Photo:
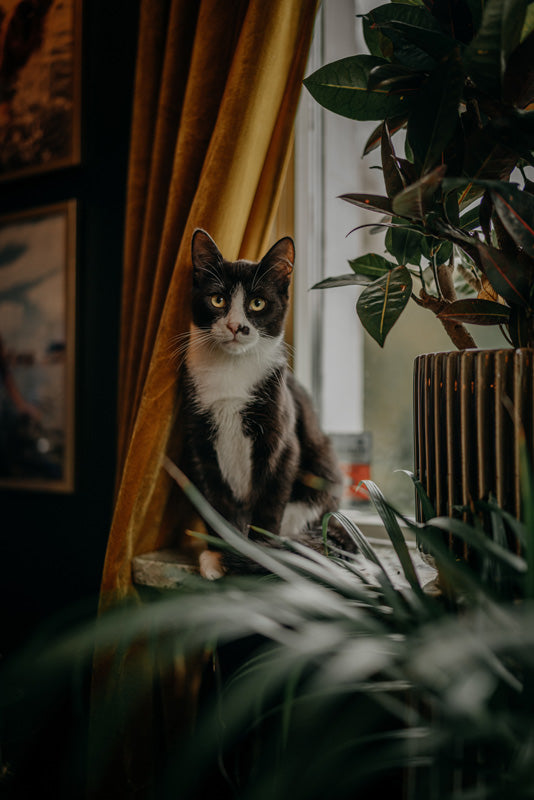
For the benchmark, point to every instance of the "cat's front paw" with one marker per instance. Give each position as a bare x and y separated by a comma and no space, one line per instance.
211,565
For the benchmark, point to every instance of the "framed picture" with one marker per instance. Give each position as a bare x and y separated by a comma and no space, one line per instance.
40,85
37,348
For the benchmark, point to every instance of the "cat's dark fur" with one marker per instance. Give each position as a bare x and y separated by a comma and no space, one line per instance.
253,445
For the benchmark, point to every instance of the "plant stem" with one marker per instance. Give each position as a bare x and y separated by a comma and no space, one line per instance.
457,333
446,283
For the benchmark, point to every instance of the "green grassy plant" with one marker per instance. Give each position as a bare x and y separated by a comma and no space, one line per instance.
332,677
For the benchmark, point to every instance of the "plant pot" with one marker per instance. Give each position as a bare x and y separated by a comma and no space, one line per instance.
470,410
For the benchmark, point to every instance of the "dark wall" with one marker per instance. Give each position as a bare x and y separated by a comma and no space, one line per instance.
52,546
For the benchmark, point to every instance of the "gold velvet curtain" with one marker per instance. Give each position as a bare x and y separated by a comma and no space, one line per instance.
216,90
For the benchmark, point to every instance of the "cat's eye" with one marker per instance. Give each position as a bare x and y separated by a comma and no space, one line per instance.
218,301
258,304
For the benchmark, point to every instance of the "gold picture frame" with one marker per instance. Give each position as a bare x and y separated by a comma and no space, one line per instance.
40,86
37,348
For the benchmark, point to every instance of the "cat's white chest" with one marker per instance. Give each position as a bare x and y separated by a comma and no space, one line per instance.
223,390
233,448
224,385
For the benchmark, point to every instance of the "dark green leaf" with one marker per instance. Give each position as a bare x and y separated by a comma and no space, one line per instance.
513,132
371,265
393,177
476,8
476,312
394,78
433,119
414,201
518,327
454,17
399,12
435,250
375,138
382,302
470,219
518,84
404,244
343,280
436,44
371,201
506,276
498,35
450,184
451,207
342,87
404,52
380,34
516,211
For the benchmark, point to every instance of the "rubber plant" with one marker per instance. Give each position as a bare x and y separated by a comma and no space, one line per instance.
457,76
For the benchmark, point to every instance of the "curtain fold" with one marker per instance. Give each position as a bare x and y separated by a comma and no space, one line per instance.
215,97
216,90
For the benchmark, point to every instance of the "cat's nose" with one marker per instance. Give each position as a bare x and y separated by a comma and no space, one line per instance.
235,327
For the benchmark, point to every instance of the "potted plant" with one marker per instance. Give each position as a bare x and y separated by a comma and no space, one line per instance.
458,209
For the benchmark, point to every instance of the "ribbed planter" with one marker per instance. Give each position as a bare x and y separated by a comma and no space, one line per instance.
470,408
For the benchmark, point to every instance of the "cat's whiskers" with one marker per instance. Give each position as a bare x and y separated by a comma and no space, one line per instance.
186,342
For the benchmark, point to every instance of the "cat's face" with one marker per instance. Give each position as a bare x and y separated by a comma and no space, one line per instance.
238,304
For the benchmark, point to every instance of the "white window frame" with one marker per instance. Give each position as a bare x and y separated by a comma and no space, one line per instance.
328,148
328,336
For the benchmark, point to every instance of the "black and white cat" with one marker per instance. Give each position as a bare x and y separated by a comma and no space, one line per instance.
253,445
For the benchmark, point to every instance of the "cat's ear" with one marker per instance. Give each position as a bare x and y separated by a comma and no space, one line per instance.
205,254
278,262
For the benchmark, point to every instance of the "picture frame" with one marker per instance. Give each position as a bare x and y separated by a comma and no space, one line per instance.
37,348
40,86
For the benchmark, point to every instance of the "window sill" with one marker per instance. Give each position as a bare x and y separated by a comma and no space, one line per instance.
168,568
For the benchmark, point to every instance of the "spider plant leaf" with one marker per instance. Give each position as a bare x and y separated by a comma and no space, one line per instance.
394,532
426,503
455,571
372,201
226,531
516,211
382,302
351,279
477,539
360,540
476,312
507,277
391,594
341,87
